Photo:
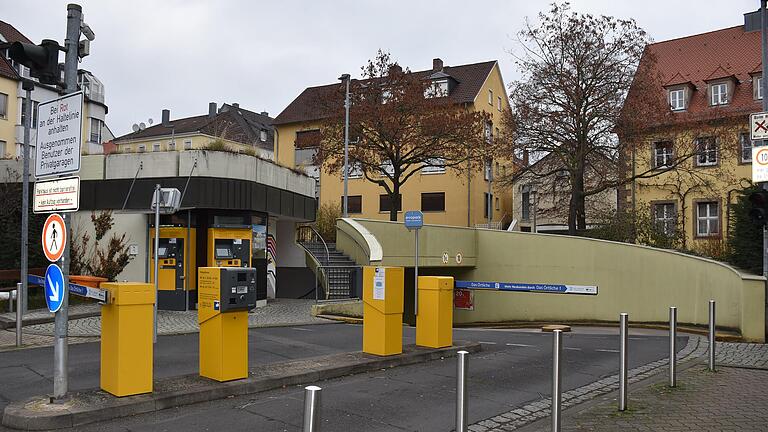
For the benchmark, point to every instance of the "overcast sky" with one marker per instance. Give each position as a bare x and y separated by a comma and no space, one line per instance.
182,54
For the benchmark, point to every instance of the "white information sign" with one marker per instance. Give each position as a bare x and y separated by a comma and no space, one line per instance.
59,136
379,283
759,164
59,195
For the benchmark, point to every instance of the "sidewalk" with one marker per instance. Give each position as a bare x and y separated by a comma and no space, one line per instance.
279,312
731,399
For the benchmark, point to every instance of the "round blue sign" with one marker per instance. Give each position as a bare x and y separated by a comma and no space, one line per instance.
54,288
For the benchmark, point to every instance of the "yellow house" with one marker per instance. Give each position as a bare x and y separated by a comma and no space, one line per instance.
13,101
231,128
444,196
700,156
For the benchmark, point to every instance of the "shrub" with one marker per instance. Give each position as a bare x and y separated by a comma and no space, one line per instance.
746,238
326,221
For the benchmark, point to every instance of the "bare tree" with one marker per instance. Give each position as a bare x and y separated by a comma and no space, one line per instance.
577,70
401,124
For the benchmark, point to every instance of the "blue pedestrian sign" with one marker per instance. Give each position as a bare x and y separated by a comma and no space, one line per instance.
414,219
54,288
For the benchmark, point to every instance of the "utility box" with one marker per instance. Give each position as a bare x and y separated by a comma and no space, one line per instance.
434,323
383,310
225,295
126,338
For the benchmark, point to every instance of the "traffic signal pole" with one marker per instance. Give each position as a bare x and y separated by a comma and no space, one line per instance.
764,91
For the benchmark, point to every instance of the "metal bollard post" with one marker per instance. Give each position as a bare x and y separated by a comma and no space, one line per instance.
19,310
10,299
672,346
461,391
712,335
624,337
312,408
557,349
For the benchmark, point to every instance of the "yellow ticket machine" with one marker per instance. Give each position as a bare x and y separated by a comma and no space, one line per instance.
177,268
383,310
229,247
225,295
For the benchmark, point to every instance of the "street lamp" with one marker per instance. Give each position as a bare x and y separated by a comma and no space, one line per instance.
345,79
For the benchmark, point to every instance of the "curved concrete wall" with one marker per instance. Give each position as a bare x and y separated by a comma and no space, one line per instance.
639,280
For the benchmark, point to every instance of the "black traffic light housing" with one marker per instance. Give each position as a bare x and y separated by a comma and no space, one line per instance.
42,60
759,211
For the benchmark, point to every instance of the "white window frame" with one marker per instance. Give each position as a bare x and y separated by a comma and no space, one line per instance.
744,149
3,149
708,152
437,88
188,144
667,223
709,218
263,135
666,153
490,97
437,166
758,87
171,145
3,106
355,170
718,94
100,124
142,148
156,147
498,103
677,99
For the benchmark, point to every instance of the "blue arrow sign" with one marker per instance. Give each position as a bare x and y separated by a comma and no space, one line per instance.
414,219
529,287
54,288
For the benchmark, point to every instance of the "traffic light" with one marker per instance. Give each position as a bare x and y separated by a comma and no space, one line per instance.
42,60
759,211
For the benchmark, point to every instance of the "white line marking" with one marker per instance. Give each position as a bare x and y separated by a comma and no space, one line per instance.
301,329
519,345
572,349
607,350
487,343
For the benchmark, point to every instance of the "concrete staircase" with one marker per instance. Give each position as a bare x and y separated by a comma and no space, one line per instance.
340,271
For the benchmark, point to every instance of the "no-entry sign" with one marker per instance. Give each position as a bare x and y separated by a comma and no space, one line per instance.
54,237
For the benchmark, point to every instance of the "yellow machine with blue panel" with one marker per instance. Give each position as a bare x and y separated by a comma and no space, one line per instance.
229,246
225,295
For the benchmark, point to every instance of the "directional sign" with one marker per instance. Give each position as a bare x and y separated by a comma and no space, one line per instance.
81,290
58,195
54,288
54,237
414,219
541,288
759,164
758,126
59,136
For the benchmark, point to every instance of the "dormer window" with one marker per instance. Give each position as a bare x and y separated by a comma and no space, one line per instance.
718,94
677,99
263,135
438,88
758,84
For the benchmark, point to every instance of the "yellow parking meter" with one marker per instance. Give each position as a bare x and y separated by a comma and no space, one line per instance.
434,323
126,338
383,310
225,295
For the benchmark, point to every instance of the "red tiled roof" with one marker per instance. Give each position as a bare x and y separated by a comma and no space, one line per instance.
10,33
729,52
6,70
309,104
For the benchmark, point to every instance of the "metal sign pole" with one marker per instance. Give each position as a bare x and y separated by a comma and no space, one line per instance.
764,91
28,86
416,276
157,259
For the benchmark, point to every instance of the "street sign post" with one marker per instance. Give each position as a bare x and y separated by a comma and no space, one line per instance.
54,288
59,136
54,238
759,164
414,220
57,195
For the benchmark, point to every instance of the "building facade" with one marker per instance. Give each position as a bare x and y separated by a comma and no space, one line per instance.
700,155
13,102
443,195
229,128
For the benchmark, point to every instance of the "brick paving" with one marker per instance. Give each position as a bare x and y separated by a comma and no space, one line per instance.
280,312
730,399
742,355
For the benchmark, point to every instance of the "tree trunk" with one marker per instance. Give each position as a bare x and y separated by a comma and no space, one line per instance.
393,202
577,218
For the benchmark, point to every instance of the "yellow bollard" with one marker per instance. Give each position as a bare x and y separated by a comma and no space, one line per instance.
126,338
383,310
434,323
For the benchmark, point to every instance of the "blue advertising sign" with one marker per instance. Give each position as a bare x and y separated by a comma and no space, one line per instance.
54,288
524,287
414,219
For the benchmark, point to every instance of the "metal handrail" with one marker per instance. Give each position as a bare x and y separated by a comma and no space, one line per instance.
319,267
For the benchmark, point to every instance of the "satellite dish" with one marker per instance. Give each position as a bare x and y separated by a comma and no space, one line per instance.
135,127
142,126
150,121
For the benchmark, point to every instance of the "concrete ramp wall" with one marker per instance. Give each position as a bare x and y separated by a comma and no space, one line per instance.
639,280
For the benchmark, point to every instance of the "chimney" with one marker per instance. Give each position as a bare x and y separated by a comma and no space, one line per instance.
395,68
235,105
526,158
166,117
212,109
437,65
264,113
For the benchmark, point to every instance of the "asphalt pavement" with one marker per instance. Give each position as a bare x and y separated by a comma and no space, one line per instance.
513,369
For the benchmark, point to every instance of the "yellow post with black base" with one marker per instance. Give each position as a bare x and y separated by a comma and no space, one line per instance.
126,338
434,323
225,295
383,310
